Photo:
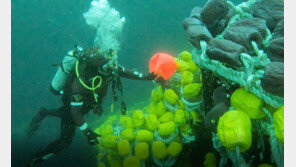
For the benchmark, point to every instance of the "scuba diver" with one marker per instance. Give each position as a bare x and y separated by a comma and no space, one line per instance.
82,79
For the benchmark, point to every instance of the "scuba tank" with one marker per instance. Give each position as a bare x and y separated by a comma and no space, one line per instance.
66,70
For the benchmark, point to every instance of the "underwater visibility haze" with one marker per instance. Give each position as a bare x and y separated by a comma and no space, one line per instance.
147,83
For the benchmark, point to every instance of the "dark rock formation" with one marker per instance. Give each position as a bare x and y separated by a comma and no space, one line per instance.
195,33
279,30
243,36
246,30
273,79
225,51
195,29
270,10
220,101
275,50
195,12
220,95
212,117
215,15
190,21
258,24
213,11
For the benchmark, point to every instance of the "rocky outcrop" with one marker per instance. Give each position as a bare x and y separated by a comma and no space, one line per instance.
273,79
275,50
225,51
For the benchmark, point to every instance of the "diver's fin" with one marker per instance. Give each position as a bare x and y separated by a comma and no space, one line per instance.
40,158
36,121
34,162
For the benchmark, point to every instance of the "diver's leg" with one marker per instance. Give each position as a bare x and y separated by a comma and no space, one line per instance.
42,113
68,129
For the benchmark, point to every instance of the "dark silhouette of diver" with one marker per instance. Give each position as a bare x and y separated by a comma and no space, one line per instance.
93,67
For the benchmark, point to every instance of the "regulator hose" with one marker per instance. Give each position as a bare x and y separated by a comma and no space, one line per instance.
93,87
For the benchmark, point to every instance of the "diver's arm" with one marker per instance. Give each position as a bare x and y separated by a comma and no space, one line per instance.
134,74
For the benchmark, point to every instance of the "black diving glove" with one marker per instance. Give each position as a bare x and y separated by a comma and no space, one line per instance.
151,76
91,136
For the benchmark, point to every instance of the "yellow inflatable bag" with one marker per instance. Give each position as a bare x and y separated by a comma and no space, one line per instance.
186,56
144,135
235,129
142,150
193,67
138,118
107,130
166,117
111,153
131,161
167,128
126,121
151,122
98,131
157,94
170,96
191,90
187,78
181,105
174,149
210,160
123,147
247,102
109,157
104,129
194,116
109,141
182,65
180,117
152,109
161,109
101,164
159,149
111,119
127,134
278,118
157,108
115,163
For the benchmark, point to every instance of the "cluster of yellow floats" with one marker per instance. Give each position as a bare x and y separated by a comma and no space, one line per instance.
158,133
235,127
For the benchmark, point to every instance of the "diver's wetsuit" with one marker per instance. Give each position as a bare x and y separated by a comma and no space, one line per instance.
80,95
77,101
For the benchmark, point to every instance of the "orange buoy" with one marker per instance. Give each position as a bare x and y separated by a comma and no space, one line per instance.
163,65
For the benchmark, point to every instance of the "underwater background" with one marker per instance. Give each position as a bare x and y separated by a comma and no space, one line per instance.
43,31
